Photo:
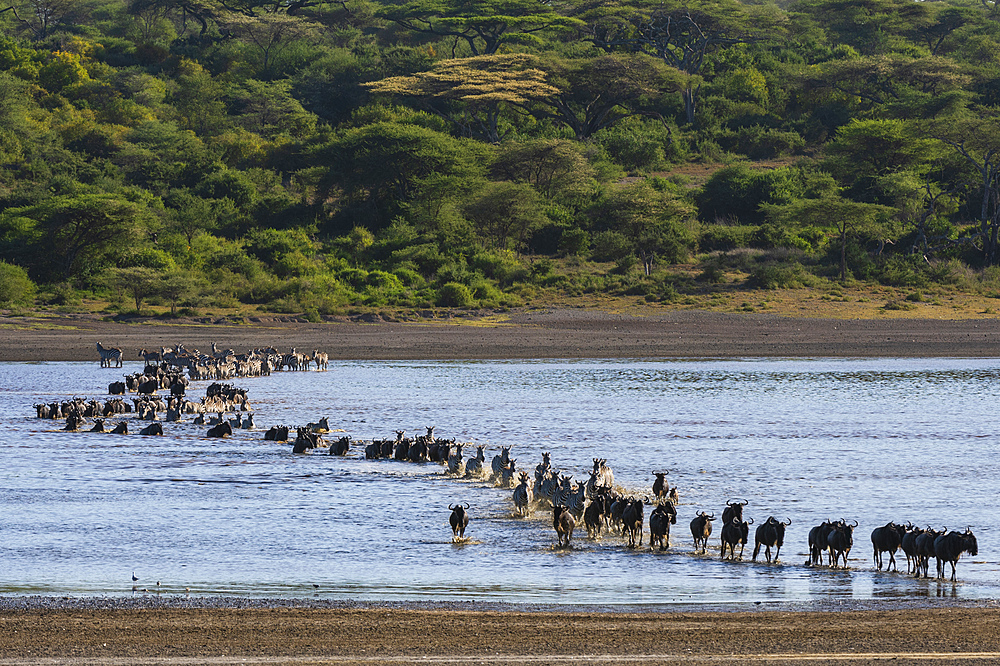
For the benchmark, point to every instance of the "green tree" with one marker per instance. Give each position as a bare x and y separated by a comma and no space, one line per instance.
485,25
376,169
556,168
846,218
976,143
683,37
597,93
651,219
74,230
504,214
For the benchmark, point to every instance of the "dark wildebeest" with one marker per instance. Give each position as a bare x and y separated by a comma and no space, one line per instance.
152,429
459,520
818,542
632,521
909,546
660,520
595,516
701,529
341,446
98,426
735,532
770,533
734,509
564,523
121,428
277,434
840,541
949,547
887,539
220,430
925,549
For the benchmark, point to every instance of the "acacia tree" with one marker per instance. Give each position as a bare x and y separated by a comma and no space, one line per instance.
976,141
75,229
270,34
484,25
597,93
472,93
846,218
682,37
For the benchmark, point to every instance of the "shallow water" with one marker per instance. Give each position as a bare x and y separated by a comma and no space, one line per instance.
870,440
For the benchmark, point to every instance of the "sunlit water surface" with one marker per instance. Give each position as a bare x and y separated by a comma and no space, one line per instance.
870,440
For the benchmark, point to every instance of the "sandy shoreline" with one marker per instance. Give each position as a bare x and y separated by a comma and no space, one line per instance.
554,333
80,633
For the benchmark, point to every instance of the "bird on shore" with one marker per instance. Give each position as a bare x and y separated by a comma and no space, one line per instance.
134,577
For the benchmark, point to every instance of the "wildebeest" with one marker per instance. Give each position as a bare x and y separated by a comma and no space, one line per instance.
734,509
116,388
925,549
840,540
818,542
701,529
98,426
523,496
595,516
459,520
341,446
769,533
660,520
121,428
322,426
887,539
304,439
632,517
220,430
152,429
949,547
909,546
277,434
564,524
735,532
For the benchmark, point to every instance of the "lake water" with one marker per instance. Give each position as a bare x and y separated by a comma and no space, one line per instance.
870,440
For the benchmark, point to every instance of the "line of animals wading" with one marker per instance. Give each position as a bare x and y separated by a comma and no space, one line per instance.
596,501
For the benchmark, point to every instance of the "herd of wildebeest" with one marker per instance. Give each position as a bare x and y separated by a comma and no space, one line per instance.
598,503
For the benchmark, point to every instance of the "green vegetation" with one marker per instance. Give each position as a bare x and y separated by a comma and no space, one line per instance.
317,157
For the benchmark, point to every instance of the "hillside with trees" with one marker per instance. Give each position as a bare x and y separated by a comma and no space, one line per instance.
319,157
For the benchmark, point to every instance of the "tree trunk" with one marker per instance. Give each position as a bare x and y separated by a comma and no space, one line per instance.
843,253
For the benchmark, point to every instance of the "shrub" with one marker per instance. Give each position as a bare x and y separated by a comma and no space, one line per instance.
574,243
15,285
781,276
610,246
455,295
724,237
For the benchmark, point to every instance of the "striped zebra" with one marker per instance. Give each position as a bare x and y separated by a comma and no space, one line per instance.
109,354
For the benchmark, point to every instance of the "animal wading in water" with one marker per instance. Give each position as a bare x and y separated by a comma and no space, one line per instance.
459,520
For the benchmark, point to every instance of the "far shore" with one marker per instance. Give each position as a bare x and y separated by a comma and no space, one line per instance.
523,334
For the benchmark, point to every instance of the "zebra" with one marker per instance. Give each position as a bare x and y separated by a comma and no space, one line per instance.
109,354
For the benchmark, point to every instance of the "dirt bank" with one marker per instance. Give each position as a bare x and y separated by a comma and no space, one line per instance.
387,636
562,333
